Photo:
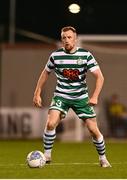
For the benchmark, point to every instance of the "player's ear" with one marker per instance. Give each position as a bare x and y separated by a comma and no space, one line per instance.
76,38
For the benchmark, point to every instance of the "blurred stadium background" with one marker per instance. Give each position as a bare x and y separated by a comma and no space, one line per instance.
27,39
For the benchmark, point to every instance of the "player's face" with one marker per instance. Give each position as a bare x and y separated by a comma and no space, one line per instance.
69,40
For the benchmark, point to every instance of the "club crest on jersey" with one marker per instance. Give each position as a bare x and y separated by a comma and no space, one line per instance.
79,61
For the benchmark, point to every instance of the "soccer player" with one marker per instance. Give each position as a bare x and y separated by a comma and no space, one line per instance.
70,64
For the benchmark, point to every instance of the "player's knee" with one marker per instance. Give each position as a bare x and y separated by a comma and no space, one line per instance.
50,125
91,132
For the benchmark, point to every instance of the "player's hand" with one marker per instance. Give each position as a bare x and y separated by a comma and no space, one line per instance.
37,101
93,101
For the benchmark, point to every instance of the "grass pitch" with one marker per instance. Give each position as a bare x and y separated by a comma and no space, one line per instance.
70,161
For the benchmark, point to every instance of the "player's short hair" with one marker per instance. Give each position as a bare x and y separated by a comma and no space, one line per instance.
67,28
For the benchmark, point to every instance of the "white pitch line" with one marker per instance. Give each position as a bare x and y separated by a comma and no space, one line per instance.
76,163
62,164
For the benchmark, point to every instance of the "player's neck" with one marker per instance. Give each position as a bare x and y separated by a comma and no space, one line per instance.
73,50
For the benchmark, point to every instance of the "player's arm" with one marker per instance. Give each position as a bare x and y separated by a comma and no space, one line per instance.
37,101
98,86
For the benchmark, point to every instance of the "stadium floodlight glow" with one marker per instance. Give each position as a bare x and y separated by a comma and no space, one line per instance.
74,8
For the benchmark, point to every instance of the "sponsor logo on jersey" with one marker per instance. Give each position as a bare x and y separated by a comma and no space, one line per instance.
71,74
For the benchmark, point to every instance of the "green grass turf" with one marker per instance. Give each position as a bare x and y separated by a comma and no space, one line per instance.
70,160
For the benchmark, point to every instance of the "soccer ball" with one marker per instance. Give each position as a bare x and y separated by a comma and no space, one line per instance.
36,159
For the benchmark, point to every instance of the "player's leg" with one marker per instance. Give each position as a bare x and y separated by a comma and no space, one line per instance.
87,114
50,132
98,141
58,109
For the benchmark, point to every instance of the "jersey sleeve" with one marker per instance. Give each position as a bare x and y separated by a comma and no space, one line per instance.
50,64
92,64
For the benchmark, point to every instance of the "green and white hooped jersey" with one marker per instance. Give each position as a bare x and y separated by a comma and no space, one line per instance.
70,70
